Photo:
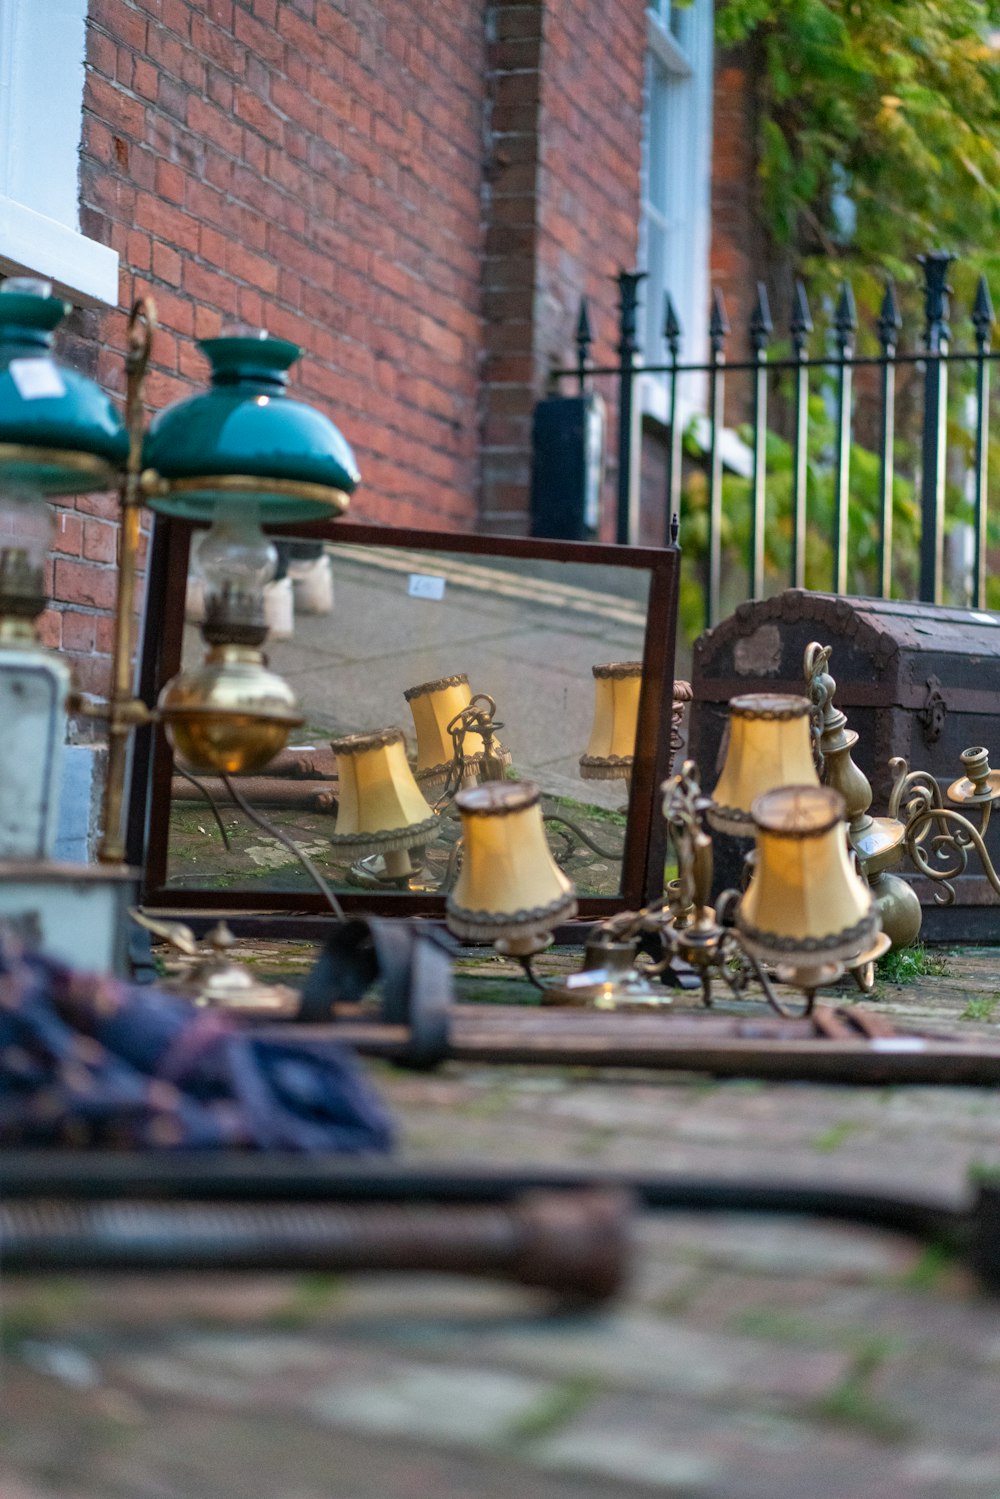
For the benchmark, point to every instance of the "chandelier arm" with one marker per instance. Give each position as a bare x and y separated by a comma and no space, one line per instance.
785,1011
913,792
970,838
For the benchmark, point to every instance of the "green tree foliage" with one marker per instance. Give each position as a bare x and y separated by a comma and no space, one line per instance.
889,109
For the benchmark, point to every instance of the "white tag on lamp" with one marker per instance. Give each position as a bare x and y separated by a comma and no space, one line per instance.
36,378
423,586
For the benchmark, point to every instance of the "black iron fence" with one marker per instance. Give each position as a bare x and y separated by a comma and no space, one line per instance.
787,376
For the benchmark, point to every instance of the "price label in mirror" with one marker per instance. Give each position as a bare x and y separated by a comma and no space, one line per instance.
423,586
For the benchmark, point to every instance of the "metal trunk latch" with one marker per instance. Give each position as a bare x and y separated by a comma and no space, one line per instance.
932,715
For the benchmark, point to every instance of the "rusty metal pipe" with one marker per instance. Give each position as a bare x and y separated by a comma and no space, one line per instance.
575,1244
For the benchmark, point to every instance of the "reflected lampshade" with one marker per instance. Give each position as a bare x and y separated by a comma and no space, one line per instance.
770,745
434,705
509,886
59,432
610,753
381,809
246,438
806,905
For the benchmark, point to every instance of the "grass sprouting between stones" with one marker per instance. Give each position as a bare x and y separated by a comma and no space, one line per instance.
554,1409
981,1007
851,1402
906,964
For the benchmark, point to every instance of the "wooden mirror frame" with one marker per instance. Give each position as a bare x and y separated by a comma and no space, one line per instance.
300,913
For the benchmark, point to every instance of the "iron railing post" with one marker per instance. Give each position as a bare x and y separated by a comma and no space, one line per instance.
936,338
889,324
761,329
628,489
801,326
718,329
982,321
672,334
583,338
845,321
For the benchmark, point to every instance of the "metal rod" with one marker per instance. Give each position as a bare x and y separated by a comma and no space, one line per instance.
583,338
801,327
982,319
825,362
572,1243
936,338
122,716
672,334
845,322
626,522
889,324
761,329
718,329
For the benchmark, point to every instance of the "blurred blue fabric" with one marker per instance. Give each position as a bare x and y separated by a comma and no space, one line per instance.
90,1060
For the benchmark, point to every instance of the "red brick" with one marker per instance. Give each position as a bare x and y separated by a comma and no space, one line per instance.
78,583
49,627
167,264
79,631
67,533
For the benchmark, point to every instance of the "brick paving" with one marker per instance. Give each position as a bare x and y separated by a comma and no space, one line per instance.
751,1358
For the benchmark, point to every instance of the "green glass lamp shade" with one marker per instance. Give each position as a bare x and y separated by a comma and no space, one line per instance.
59,432
245,438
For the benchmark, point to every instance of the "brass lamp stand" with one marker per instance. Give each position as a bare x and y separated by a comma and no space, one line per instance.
877,842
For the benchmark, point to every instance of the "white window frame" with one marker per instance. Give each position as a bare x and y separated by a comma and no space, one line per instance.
675,220
42,74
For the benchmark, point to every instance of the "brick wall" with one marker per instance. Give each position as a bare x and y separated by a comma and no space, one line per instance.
736,253
416,194
565,133
312,168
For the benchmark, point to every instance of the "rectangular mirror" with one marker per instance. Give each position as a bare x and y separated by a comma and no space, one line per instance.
382,612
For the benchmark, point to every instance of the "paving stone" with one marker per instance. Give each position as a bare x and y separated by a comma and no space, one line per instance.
753,1357
468,1406
666,1355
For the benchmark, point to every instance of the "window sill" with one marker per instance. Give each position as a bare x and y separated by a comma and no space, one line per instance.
81,269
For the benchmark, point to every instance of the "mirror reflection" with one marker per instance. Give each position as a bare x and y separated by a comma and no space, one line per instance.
417,673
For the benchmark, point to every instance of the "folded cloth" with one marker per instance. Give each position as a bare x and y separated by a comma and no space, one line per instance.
90,1060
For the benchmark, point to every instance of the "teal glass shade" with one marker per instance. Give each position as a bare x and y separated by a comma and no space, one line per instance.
245,438
59,432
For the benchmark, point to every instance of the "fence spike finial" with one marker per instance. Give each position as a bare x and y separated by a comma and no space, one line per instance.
845,319
583,338
936,291
584,334
890,319
718,323
761,326
671,325
801,324
982,314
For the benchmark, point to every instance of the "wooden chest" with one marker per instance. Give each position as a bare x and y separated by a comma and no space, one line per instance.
917,680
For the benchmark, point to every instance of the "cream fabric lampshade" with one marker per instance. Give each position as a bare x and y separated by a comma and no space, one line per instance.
433,706
381,807
611,751
509,884
770,745
805,905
